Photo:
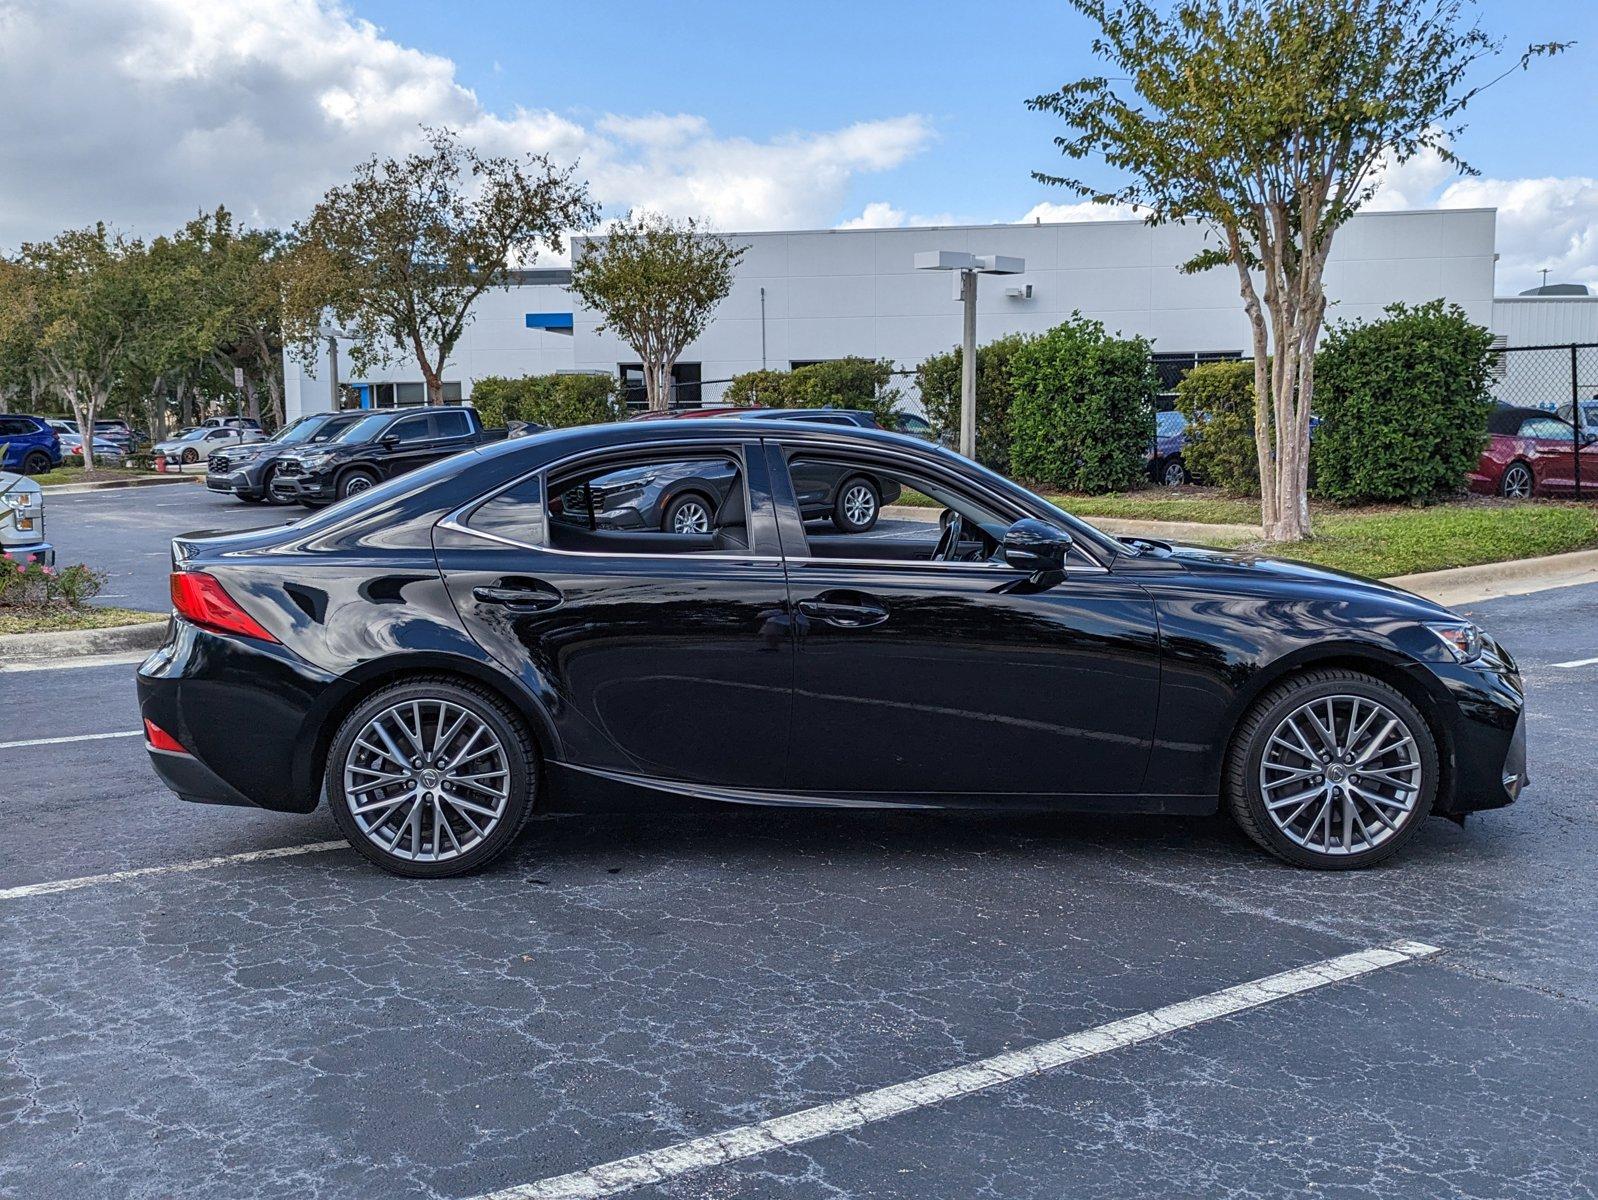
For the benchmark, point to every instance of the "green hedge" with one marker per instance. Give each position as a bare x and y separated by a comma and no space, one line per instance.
1403,404
1218,401
938,379
1082,419
554,400
858,383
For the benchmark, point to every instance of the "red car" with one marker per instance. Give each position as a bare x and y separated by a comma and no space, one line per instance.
672,414
1532,453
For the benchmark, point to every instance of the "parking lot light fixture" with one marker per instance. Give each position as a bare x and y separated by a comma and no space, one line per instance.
969,267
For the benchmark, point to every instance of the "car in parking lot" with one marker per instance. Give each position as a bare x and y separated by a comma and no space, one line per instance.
439,656
22,522
379,446
30,445
106,452
245,471
202,441
1166,463
1530,452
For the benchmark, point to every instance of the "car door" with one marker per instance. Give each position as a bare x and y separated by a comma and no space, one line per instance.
958,681
405,445
1551,446
659,656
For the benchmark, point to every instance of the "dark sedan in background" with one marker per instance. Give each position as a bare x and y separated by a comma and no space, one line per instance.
246,471
439,658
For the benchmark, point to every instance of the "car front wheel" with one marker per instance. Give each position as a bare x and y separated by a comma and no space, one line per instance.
431,778
190,456
353,483
1173,473
1332,769
687,514
857,507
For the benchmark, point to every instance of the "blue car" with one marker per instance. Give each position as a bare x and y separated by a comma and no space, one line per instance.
1165,462
28,445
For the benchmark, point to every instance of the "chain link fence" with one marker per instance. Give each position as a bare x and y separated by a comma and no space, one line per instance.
1561,380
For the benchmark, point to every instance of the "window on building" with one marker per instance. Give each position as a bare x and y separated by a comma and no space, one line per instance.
685,389
406,394
1173,367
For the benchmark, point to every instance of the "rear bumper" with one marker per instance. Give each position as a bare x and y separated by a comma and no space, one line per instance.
190,779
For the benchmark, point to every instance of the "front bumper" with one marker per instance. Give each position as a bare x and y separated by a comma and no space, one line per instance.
314,489
42,553
1486,722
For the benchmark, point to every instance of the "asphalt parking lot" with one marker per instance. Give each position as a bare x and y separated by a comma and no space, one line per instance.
303,1025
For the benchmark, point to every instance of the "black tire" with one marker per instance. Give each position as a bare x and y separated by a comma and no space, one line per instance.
266,487
1241,788
857,505
354,482
691,507
1173,472
1509,485
190,456
36,463
521,760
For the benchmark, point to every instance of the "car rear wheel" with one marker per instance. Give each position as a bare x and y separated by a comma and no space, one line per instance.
687,514
37,463
1332,769
353,483
190,456
857,507
432,778
1517,481
1173,473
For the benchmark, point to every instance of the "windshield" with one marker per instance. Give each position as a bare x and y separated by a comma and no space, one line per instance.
364,429
298,431
191,435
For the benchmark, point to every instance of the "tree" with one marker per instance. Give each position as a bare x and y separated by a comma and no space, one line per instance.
400,254
938,380
656,282
79,301
1217,399
1268,121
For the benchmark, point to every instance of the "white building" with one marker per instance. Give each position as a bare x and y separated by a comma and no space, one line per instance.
806,296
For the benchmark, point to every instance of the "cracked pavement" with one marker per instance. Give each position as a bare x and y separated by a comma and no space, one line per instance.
310,1027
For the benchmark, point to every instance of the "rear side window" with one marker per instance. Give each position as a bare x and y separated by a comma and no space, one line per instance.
17,427
452,424
516,513
672,504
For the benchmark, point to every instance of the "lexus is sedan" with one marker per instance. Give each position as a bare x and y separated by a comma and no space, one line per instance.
439,658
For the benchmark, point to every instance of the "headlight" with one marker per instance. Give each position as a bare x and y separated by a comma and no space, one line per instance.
1464,640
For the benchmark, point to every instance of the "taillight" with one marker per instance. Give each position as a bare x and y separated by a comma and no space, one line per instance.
202,599
157,738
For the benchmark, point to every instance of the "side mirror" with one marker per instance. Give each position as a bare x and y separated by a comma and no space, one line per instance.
1036,547
1587,438
388,441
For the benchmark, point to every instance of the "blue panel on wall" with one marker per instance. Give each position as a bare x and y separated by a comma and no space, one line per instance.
549,320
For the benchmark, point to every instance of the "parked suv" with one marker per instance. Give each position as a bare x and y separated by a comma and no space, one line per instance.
231,423
28,444
246,470
377,447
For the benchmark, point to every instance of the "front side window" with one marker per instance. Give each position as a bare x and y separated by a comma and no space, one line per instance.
1547,427
667,504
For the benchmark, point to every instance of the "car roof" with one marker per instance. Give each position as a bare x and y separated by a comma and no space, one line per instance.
1508,418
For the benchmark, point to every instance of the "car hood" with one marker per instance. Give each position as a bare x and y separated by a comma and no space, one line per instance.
1306,577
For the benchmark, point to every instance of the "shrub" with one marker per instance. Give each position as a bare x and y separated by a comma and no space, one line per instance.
554,400
938,379
1403,404
34,585
858,383
1082,418
1218,401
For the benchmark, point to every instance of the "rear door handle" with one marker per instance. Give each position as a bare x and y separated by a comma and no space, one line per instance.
520,599
844,615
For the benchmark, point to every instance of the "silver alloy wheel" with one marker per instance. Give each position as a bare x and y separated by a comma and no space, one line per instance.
691,517
1175,474
859,504
357,485
1341,775
1517,482
426,780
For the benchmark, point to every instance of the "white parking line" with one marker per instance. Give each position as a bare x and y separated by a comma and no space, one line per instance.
62,741
748,1141
198,864
1580,662
122,659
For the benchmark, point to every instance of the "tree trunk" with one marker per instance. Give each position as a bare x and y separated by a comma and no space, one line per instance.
252,402
435,387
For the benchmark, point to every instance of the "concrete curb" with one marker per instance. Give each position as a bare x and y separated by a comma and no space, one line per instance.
68,489
81,643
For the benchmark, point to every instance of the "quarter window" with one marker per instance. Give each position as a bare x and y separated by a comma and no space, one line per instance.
516,513
452,424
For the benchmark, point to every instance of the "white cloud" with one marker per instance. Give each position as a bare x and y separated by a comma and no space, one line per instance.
879,214
142,114
1047,212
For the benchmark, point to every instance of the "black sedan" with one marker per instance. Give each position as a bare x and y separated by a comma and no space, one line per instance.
441,659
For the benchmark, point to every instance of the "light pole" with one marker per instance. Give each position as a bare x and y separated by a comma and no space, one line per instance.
969,267
332,335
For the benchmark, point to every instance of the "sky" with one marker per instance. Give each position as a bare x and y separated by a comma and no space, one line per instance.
752,115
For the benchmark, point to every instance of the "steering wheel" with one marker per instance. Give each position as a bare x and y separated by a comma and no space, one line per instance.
948,548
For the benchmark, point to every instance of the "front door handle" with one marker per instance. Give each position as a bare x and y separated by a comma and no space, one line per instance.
859,613
520,599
